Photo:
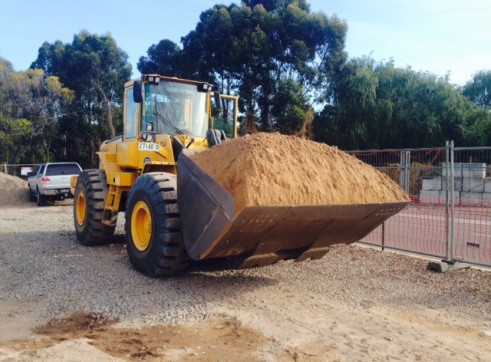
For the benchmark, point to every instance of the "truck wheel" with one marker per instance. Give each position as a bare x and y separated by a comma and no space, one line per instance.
153,227
88,207
40,199
32,196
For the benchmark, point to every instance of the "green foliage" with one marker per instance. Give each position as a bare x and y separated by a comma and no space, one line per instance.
160,59
381,106
250,48
14,137
289,106
32,104
96,69
478,89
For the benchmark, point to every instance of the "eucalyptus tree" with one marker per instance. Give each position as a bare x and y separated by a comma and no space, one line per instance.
478,89
250,48
95,68
161,59
31,106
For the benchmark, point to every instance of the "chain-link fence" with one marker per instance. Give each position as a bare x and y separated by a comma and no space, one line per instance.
449,216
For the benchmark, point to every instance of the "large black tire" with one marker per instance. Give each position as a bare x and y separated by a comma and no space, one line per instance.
153,227
88,207
32,196
40,199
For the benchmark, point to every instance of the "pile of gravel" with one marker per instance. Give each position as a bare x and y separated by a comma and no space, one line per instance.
13,190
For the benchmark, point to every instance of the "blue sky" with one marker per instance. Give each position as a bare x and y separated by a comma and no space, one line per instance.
439,36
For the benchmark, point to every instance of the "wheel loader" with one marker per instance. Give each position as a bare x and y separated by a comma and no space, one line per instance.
175,212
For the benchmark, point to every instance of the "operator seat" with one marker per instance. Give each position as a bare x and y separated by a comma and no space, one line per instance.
215,137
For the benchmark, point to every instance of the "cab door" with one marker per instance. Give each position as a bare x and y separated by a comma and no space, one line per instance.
227,119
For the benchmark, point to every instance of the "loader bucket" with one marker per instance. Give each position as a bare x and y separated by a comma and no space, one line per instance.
263,235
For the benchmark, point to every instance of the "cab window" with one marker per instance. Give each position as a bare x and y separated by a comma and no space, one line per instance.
131,116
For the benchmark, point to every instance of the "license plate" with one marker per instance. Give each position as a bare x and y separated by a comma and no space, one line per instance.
148,146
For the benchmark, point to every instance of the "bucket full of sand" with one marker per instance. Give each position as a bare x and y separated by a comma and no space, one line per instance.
269,197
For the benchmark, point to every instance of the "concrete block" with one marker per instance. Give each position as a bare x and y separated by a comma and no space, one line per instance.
431,197
470,199
457,184
486,196
446,266
467,170
434,184
473,185
486,199
487,185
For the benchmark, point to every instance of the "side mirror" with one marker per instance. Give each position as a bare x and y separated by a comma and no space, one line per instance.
217,100
137,92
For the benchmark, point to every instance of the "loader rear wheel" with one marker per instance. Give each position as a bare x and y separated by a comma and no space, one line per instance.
88,206
153,227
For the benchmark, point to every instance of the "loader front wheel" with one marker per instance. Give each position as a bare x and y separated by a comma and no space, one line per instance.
153,227
88,207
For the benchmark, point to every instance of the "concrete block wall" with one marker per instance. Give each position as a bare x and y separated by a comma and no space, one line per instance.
471,187
467,170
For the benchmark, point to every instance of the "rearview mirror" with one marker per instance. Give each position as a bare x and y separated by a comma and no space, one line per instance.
137,92
217,100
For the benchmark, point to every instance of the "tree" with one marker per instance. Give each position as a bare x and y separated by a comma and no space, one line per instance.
14,137
31,106
160,59
376,105
289,106
478,89
6,70
96,69
250,48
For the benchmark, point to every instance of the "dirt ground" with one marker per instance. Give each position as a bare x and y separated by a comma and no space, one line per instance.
60,301
315,332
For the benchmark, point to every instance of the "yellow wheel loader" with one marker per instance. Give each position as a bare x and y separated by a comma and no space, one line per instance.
174,211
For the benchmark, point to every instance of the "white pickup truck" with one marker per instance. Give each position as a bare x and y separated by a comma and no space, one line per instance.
51,181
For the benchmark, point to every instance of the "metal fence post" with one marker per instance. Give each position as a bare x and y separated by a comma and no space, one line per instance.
447,201
452,201
408,171
405,172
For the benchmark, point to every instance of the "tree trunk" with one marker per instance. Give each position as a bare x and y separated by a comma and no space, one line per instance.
109,110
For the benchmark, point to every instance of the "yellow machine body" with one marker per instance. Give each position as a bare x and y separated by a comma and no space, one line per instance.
126,157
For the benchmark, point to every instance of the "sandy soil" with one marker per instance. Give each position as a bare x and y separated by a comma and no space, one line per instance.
13,190
314,331
274,169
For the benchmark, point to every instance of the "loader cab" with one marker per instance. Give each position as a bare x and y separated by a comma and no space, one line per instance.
157,105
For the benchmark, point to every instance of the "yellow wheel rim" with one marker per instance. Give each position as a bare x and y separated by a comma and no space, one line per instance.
141,226
81,208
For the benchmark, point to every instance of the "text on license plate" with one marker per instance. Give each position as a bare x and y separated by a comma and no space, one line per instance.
148,146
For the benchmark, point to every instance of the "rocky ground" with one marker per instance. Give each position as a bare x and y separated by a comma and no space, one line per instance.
62,301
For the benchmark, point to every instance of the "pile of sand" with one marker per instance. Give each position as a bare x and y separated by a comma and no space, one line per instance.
272,169
13,190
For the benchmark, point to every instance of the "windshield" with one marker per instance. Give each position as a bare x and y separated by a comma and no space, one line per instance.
171,104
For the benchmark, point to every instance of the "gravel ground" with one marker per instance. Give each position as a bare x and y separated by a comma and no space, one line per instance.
46,274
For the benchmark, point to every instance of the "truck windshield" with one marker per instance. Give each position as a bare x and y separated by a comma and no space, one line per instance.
62,169
177,104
